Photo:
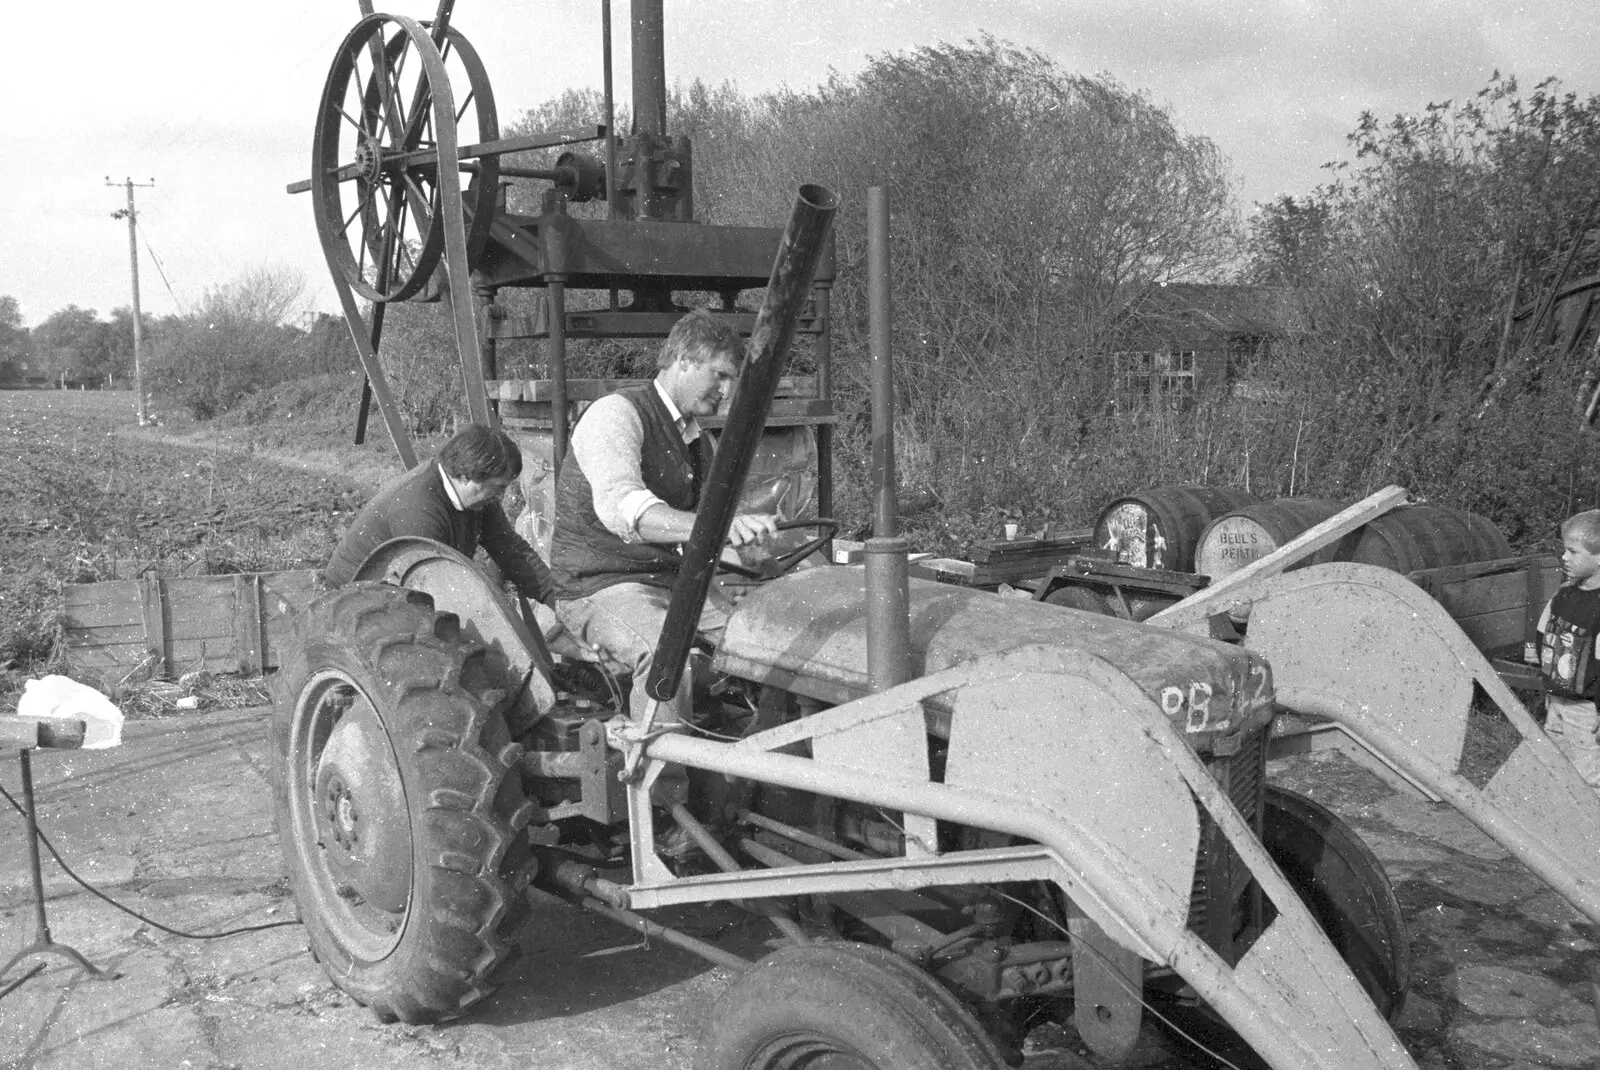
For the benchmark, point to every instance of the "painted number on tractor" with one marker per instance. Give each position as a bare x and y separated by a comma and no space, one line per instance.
1196,704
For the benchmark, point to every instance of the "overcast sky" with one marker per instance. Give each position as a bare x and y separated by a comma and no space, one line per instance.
214,100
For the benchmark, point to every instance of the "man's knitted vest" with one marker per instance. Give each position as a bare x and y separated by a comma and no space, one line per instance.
585,555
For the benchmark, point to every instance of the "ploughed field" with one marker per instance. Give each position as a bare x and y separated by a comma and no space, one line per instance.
89,495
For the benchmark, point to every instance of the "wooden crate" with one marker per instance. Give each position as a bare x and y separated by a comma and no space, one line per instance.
173,626
1497,603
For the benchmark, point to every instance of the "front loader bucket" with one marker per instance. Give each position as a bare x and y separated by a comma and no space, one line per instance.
1065,752
1370,651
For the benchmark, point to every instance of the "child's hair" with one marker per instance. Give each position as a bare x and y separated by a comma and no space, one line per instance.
1585,528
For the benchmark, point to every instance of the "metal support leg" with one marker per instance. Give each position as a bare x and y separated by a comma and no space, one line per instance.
43,944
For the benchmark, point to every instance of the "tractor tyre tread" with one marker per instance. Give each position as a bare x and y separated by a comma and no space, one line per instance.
434,685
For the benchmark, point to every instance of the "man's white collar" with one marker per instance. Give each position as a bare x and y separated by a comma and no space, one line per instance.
450,488
691,426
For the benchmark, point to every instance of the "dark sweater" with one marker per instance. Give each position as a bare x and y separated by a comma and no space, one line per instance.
417,504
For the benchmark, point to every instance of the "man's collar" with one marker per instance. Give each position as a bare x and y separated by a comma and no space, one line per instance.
450,488
688,426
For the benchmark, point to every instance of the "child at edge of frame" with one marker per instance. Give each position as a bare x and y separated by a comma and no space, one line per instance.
1566,649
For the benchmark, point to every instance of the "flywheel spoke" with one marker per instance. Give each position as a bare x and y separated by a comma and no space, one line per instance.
420,197
380,82
400,64
365,201
359,128
394,235
393,254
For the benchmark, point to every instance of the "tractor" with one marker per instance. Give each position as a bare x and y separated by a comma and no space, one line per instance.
964,813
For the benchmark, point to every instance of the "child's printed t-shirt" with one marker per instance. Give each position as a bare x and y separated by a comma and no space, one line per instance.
1567,643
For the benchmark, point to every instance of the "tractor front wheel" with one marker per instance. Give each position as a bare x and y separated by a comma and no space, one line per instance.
1345,887
842,1006
398,802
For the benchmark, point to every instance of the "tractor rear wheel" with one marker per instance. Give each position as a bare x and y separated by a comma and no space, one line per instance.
398,802
842,1006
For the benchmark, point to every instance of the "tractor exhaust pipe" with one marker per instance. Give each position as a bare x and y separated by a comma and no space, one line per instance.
888,587
803,242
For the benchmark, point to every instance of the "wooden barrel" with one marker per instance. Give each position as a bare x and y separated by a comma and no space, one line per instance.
1158,528
1425,536
1235,539
1406,539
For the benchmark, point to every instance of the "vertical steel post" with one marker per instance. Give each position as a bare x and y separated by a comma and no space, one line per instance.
611,112
649,70
822,294
878,336
556,287
611,128
888,585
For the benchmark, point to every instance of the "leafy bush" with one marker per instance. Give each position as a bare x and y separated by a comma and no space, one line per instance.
233,343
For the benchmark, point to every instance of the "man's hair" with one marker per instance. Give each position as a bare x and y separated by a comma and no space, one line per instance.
1585,529
699,336
477,453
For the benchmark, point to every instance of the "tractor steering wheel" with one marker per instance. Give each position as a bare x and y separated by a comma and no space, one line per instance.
785,563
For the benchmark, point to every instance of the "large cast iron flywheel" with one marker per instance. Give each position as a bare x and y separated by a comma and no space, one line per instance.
388,120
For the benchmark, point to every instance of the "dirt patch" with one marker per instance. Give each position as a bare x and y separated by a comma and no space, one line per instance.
91,497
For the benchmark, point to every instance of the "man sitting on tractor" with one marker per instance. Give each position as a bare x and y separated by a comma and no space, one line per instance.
454,499
626,499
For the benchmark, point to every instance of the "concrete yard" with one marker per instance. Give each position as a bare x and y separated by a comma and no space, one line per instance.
177,824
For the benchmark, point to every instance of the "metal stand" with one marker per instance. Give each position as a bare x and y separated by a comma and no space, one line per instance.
43,944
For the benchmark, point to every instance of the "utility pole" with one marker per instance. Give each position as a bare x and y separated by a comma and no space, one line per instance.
133,263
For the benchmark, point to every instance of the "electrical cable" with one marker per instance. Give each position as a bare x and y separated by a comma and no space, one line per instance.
129,910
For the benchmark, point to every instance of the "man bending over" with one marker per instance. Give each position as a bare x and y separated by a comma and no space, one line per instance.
453,499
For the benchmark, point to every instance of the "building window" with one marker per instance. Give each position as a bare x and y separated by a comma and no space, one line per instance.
1153,378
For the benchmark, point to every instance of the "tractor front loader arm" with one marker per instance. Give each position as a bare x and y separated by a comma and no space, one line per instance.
1064,751
1370,651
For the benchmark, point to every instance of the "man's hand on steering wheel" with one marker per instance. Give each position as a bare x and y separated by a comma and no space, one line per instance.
785,563
752,528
